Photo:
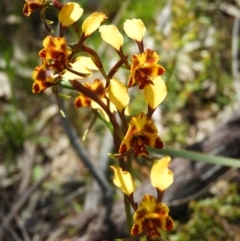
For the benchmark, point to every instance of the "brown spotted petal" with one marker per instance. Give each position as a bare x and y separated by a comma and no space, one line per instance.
40,86
139,148
82,101
31,6
151,216
141,132
43,78
144,67
56,50
97,87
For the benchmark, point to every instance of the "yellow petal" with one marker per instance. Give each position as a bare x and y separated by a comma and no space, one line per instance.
92,23
117,93
135,29
83,65
161,177
127,111
123,180
70,13
111,35
156,93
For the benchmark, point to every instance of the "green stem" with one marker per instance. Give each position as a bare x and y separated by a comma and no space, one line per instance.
128,213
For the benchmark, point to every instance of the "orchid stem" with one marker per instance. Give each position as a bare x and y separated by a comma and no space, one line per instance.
128,213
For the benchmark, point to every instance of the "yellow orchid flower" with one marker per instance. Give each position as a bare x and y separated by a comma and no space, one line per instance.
97,88
150,217
144,67
70,13
141,132
43,78
161,177
33,5
56,50
123,180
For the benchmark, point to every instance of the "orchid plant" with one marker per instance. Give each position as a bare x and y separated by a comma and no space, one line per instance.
61,62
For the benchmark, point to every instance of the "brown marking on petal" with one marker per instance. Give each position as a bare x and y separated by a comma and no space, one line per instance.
51,44
56,55
132,129
133,140
158,222
98,88
139,141
140,213
36,88
159,209
77,102
149,71
123,148
161,70
143,82
60,57
131,82
141,115
135,61
152,233
146,140
28,8
43,53
41,74
169,224
140,151
135,230
57,66
141,74
151,56
149,127
163,212
82,101
158,143
40,86
151,223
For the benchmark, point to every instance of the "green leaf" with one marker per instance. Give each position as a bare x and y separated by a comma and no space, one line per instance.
201,157
66,84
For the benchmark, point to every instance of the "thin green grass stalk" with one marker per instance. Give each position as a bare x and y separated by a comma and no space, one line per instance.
197,156
128,213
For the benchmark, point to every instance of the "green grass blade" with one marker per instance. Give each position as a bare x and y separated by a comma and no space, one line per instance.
197,156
